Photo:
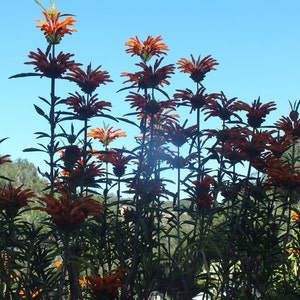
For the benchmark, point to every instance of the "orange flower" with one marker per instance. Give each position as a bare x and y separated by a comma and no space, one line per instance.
67,212
12,199
279,145
107,286
57,264
54,67
256,144
224,108
83,282
146,49
83,175
88,81
295,216
106,135
4,258
231,141
86,108
194,100
203,194
289,127
70,155
150,77
177,134
149,106
256,111
117,159
54,29
24,294
294,252
282,174
199,68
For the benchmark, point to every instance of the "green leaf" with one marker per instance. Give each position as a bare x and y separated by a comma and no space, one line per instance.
127,88
3,139
42,134
41,112
25,75
163,92
45,100
128,121
33,150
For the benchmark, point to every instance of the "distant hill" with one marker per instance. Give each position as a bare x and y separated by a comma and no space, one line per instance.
21,171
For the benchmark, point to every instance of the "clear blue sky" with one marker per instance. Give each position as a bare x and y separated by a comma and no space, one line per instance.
256,43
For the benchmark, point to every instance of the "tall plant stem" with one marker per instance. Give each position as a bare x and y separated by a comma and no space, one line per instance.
178,197
84,150
52,121
199,169
118,202
138,207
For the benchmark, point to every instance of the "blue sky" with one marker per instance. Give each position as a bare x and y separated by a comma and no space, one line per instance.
256,43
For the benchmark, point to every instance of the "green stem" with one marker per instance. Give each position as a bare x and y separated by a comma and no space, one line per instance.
178,197
199,170
52,121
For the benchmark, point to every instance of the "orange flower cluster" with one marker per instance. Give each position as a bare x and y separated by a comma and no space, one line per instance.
256,112
12,199
4,258
151,108
197,68
203,194
88,81
83,282
295,216
294,252
54,67
86,107
150,77
220,106
54,29
150,47
117,159
178,135
106,135
289,126
107,286
283,175
24,294
196,100
67,212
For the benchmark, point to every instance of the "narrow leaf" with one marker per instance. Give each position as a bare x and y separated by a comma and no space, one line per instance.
25,75
33,150
40,112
